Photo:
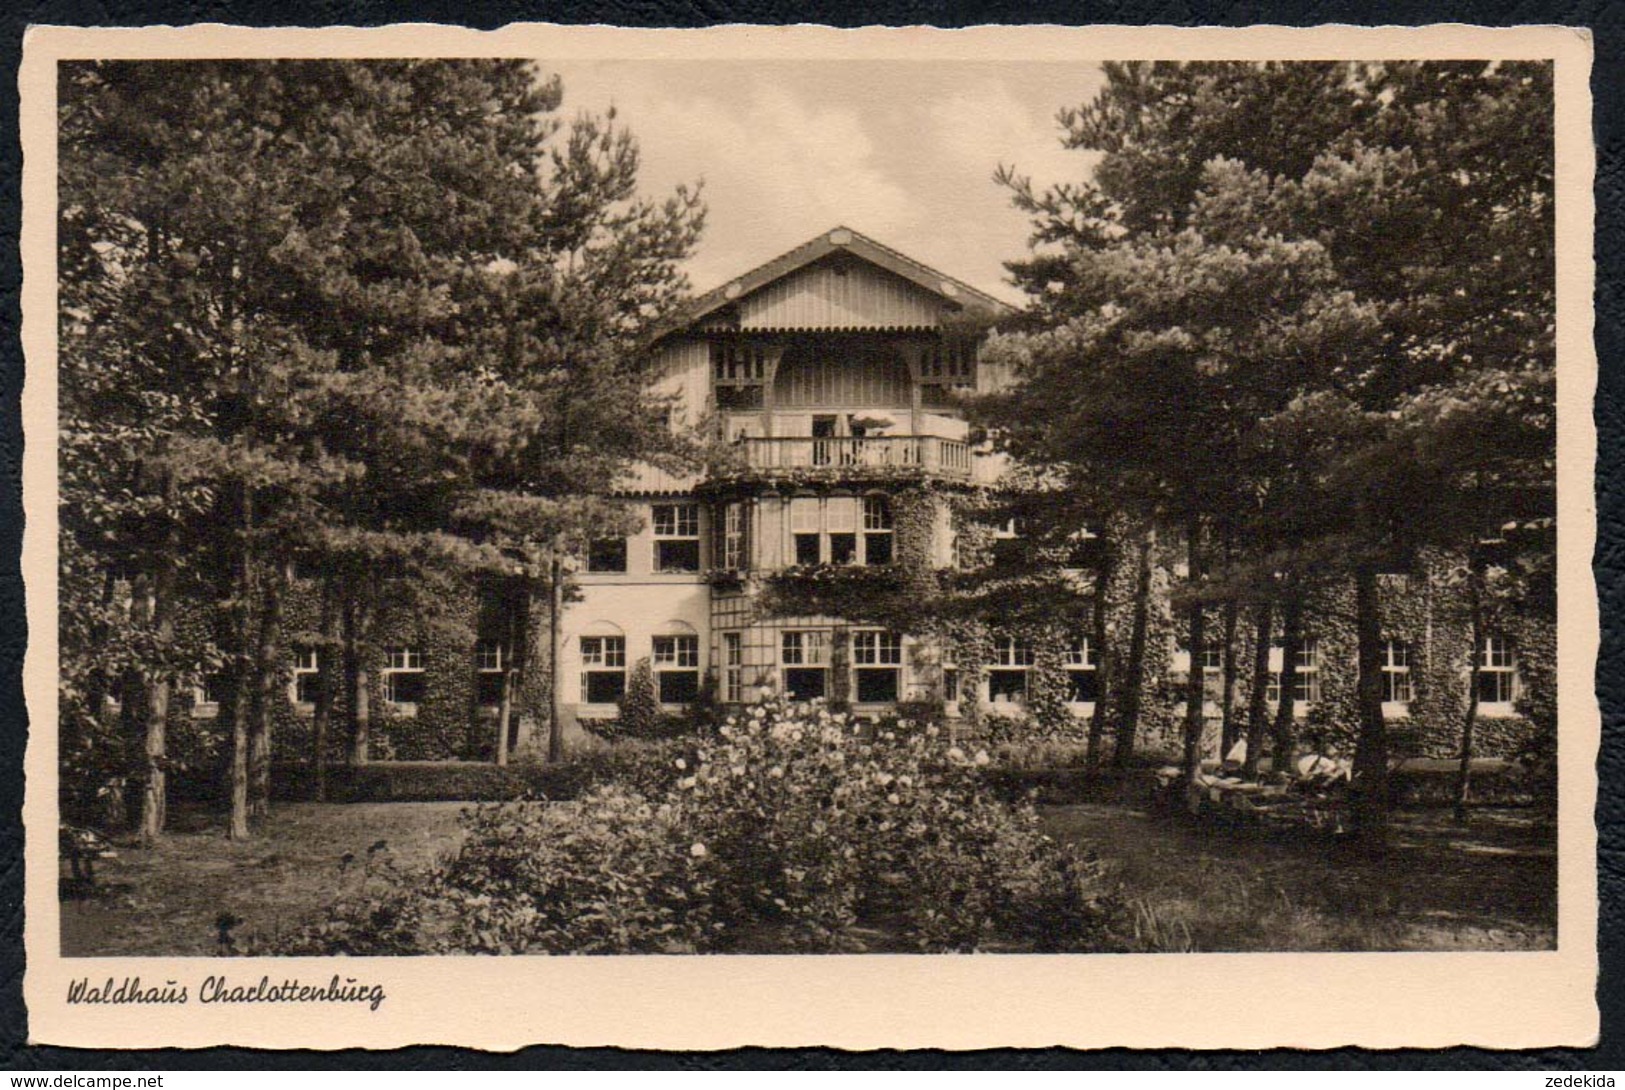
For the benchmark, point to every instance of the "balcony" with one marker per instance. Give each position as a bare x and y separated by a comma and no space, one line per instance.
858,458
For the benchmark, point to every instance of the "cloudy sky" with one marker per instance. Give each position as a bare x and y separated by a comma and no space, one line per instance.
902,152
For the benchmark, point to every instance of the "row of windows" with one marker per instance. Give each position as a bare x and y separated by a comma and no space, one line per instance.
876,657
1497,676
827,530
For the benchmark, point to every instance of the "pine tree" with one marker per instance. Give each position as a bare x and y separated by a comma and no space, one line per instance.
1278,276
381,317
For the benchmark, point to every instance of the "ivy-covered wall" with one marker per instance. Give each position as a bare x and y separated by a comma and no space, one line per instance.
446,725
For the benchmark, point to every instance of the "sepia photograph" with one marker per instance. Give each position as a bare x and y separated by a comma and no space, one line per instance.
760,505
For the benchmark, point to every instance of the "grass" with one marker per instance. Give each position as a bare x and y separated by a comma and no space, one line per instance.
164,900
1489,887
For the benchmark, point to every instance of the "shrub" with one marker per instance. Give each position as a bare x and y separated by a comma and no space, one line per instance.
640,706
613,875
784,831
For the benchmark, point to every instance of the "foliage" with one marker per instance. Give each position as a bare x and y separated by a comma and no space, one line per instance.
640,715
1327,337
788,830
388,317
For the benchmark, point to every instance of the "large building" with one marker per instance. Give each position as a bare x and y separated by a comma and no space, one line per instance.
843,472
830,373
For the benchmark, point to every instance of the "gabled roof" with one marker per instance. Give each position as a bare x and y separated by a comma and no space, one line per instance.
956,294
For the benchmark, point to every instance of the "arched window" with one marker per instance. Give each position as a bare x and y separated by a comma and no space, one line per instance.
676,661
603,663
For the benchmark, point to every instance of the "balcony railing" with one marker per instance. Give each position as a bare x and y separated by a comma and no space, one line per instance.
922,453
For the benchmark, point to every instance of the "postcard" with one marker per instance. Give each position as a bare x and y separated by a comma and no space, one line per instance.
885,538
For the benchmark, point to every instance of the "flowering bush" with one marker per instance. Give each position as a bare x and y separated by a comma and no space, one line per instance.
790,828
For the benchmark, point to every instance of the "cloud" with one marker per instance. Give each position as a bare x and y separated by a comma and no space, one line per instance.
904,153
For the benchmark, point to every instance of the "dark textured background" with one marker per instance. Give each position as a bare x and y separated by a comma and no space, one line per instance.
1608,86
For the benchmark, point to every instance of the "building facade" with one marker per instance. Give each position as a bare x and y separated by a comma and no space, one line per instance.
844,472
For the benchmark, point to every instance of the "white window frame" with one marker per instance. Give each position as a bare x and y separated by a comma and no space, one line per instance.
205,705
491,658
681,523
1498,657
1011,655
1081,658
825,518
735,543
601,655
811,652
1306,678
401,661
877,650
307,663
733,667
1398,688
679,655
879,524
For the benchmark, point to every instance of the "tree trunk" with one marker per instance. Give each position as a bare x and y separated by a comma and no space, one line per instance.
1133,685
1227,699
356,693
322,716
1368,793
242,679
1286,711
1104,572
154,793
1196,676
1475,664
267,675
1258,709
236,710
555,607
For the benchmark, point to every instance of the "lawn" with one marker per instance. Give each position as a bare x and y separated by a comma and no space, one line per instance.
1490,886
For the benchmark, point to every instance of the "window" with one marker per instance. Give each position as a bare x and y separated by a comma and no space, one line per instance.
950,684
306,676
1306,682
805,525
607,555
1307,689
877,530
840,520
1007,680
824,531
735,525
1396,672
951,358
738,362
804,656
1008,547
733,668
603,669
677,537
877,660
1212,659
1083,679
738,370
403,677
206,696
1497,671
491,664
677,668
